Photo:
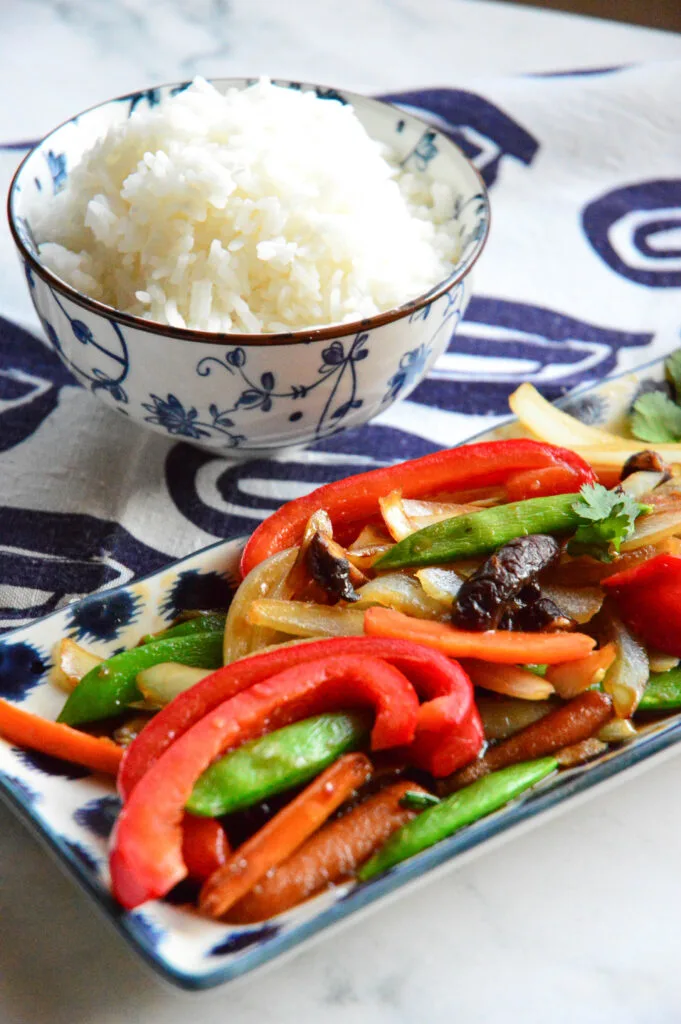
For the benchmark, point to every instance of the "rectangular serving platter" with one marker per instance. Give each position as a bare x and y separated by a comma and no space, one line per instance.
73,811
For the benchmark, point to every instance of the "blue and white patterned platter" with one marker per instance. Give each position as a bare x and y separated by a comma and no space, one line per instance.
73,810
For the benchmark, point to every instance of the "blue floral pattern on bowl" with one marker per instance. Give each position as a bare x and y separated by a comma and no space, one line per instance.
245,395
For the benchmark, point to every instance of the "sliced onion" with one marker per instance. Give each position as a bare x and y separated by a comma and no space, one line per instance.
372,542
580,603
620,730
394,516
404,517
424,513
613,456
300,618
159,684
404,594
553,425
130,730
70,663
627,677
640,483
580,753
574,677
504,716
511,680
441,584
598,447
482,497
269,579
370,536
661,662
654,528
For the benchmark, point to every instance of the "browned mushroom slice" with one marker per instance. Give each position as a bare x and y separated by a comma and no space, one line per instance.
646,461
484,598
532,611
331,568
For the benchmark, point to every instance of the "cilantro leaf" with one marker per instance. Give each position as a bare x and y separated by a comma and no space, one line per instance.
672,367
608,520
656,418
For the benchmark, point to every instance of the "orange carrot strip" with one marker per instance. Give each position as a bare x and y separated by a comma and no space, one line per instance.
575,677
499,645
36,733
329,856
283,833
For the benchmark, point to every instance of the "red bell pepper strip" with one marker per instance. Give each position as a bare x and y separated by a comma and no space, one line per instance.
648,598
433,675
437,751
517,463
205,846
146,854
447,732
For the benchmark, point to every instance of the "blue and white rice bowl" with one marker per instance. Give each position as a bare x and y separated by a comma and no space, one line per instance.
246,394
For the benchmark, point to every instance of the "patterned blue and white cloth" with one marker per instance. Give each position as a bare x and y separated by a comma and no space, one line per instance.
581,277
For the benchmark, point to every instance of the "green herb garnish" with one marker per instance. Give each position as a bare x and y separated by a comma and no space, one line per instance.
656,418
609,518
672,370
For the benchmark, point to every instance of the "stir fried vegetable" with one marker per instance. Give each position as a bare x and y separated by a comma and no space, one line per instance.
354,499
648,598
332,854
205,847
279,761
663,692
481,532
27,730
334,668
70,663
462,808
627,676
146,856
205,622
284,833
575,721
111,686
496,645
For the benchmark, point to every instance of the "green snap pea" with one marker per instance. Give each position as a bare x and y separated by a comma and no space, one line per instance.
276,762
663,692
480,533
108,688
462,808
211,622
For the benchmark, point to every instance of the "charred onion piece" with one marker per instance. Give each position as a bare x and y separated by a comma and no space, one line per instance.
646,461
330,567
577,720
484,597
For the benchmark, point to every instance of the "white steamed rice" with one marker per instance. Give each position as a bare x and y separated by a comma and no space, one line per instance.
264,210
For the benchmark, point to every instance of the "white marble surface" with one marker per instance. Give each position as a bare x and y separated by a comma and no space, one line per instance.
574,922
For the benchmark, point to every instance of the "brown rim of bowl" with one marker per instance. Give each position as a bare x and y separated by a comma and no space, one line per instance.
247,340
